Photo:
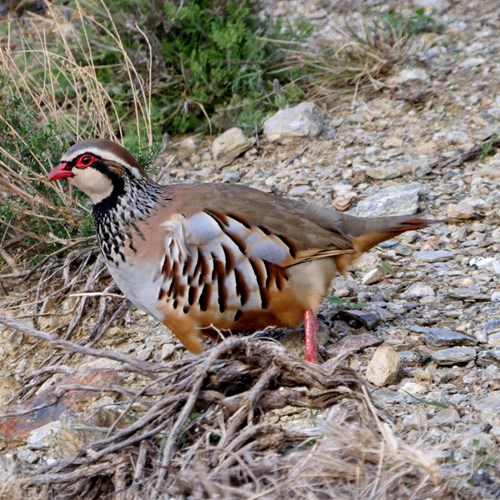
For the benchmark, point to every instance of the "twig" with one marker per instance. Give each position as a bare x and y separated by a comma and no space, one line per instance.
296,157
141,366
491,142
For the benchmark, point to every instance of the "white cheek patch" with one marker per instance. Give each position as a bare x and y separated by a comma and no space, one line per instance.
93,183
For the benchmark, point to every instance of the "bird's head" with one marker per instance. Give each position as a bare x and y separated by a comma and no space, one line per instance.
98,167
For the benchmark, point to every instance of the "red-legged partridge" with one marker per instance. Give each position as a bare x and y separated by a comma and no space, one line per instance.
207,257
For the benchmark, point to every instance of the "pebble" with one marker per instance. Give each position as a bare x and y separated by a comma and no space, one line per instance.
439,337
489,263
399,199
446,416
411,74
439,6
489,404
229,145
412,388
303,120
361,318
492,326
374,276
461,211
454,355
387,396
494,339
469,293
354,343
472,62
383,367
389,171
418,290
435,255
28,456
298,190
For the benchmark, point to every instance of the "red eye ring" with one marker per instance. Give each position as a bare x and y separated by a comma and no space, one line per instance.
85,161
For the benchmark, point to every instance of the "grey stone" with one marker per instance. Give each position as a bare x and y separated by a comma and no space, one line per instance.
229,145
399,199
454,355
446,416
469,293
369,320
387,396
299,190
354,343
28,456
489,404
492,325
402,166
438,337
435,255
303,120
390,171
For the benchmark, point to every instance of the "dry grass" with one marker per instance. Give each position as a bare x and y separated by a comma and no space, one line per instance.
358,54
51,64
204,427
49,67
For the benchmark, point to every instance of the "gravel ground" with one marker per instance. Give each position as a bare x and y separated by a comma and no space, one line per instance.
432,297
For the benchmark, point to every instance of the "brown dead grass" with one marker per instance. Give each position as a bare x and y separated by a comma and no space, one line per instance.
203,429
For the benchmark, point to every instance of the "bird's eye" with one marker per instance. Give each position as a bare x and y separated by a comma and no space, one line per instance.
85,161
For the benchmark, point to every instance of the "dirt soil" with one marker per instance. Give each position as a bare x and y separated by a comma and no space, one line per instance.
435,298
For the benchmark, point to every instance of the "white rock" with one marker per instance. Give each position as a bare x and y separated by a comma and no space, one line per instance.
60,441
230,145
373,276
411,74
418,290
303,120
472,62
412,388
460,210
434,5
495,297
486,263
366,262
383,367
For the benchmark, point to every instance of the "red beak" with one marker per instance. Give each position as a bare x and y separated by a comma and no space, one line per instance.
60,172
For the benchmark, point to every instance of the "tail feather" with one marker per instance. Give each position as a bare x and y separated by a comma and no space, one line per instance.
372,231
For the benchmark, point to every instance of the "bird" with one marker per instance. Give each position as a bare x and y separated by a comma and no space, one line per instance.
209,258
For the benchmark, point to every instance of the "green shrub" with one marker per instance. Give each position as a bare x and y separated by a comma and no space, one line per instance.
206,55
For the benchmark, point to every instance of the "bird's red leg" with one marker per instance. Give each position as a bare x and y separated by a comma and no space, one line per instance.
311,329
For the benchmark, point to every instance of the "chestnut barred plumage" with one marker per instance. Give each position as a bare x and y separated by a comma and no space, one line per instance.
201,257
